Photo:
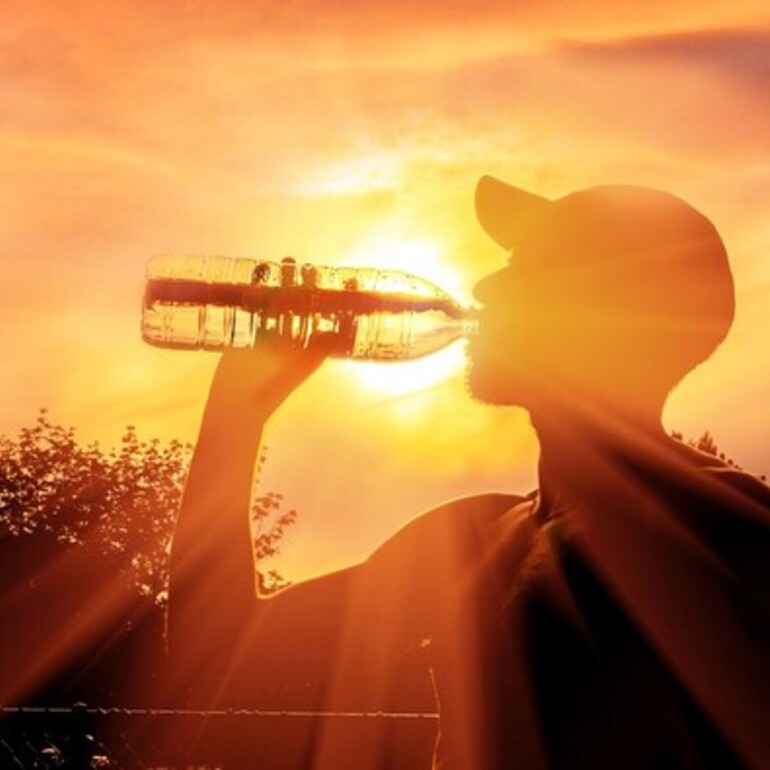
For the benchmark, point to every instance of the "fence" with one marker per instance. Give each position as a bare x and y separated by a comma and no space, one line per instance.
80,737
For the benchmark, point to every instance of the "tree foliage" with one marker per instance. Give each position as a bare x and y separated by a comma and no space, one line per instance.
707,444
56,492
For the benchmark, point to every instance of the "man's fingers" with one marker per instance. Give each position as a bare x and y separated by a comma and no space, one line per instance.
274,368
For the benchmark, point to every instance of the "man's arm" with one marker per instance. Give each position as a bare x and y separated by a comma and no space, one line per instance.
340,641
212,590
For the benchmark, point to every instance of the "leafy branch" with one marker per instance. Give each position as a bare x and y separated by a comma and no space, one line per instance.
64,494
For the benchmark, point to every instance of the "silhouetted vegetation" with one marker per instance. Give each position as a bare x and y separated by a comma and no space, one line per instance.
79,523
56,493
706,443
64,501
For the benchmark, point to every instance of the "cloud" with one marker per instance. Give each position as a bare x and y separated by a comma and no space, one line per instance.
130,127
743,55
700,95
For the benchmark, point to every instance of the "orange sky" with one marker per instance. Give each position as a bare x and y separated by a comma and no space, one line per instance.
342,132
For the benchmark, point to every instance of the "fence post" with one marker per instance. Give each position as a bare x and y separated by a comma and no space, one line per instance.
82,742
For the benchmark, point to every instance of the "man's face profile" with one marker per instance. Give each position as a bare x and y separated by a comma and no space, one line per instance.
614,293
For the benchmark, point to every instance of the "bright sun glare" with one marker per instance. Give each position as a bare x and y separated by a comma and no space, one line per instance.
403,378
423,258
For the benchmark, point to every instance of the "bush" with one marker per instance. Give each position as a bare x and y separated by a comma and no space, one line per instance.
57,493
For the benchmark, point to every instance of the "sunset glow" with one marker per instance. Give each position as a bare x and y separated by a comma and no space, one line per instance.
255,512
396,379
355,134
380,247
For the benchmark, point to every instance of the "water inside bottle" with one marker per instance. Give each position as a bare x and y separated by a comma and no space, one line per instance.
212,304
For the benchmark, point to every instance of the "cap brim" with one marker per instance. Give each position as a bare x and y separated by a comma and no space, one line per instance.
506,212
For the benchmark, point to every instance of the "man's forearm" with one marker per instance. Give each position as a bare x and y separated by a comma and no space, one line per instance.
212,589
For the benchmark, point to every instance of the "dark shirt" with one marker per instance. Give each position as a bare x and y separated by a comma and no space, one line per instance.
629,632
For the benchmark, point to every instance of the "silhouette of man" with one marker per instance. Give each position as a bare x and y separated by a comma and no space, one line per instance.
616,618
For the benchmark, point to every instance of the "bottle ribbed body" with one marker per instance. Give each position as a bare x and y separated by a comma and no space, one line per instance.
214,303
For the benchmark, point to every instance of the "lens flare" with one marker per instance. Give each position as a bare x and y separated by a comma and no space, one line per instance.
383,247
425,258
403,378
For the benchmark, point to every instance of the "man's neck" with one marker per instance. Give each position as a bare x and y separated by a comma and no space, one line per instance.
579,453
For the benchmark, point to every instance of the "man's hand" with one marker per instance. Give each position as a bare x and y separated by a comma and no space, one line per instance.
257,381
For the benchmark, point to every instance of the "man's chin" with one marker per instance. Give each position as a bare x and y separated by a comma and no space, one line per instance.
489,387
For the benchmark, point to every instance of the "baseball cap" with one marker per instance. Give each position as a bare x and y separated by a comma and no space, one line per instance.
644,247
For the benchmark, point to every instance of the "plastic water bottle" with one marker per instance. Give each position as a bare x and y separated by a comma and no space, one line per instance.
213,303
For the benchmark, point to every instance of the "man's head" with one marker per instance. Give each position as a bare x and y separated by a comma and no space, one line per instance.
611,294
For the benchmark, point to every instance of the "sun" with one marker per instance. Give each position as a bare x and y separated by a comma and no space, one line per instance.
406,377
426,259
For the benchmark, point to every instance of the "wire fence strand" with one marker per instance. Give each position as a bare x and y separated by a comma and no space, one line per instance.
82,737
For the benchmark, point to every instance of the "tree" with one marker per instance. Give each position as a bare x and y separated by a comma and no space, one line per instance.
85,538
708,445
58,493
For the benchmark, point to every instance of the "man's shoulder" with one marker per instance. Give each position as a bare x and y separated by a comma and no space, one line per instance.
730,488
750,487
725,471
685,478
482,508
741,523
459,526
